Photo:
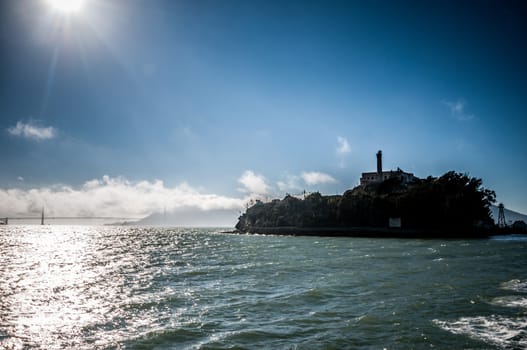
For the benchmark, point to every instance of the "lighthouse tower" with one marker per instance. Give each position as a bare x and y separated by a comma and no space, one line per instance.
379,166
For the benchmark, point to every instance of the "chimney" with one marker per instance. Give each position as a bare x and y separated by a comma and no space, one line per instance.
379,165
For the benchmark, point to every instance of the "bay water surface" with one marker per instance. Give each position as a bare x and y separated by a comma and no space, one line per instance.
96,287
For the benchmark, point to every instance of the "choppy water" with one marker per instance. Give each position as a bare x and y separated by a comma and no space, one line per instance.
144,288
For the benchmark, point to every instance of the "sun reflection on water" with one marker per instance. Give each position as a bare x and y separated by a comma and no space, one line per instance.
47,286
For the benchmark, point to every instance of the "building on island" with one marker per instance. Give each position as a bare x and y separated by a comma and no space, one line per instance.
381,175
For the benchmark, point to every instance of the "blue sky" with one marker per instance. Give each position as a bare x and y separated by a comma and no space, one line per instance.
226,99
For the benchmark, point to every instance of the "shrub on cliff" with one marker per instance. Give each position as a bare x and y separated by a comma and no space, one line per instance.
453,200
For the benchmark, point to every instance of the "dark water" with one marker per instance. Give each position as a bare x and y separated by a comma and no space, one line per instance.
141,288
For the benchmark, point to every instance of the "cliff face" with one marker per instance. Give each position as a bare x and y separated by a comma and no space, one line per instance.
451,201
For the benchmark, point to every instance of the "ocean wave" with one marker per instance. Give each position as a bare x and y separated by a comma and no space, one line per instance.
515,285
497,330
510,301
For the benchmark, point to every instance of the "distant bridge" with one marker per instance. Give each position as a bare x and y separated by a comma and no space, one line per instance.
5,220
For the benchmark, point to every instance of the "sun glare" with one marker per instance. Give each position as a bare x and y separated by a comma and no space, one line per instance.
66,6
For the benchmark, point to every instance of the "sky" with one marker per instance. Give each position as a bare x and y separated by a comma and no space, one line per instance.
128,107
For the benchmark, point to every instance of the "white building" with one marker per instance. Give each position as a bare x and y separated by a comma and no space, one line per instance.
381,175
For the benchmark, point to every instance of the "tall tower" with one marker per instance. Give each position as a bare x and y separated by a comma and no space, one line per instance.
379,165
501,216
42,217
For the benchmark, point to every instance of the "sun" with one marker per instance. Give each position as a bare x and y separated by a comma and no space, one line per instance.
66,6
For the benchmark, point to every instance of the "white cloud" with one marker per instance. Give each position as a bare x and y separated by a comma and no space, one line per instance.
290,183
20,178
111,197
343,146
119,197
317,178
457,109
253,183
31,131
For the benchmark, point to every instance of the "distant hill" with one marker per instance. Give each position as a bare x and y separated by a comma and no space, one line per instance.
510,216
191,217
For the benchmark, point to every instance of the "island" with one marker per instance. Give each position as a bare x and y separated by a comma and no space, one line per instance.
385,204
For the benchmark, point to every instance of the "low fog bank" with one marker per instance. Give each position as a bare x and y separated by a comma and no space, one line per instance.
191,217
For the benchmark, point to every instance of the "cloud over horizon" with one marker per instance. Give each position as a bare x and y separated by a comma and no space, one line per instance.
121,198
297,183
317,178
32,131
253,183
289,183
111,197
